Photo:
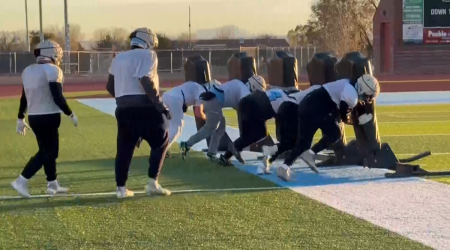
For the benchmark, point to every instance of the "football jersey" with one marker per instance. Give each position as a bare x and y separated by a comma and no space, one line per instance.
129,67
233,91
342,90
299,96
36,80
277,97
190,90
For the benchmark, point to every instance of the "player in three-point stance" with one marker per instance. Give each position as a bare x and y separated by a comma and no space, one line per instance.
215,99
286,123
332,103
43,97
140,113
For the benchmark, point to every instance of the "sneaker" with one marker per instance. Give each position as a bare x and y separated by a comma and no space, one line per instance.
21,187
224,161
212,157
184,149
284,172
53,188
308,158
269,150
123,192
265,169
153,188
237,155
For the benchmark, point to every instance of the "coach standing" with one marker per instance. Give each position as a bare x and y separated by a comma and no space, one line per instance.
140,113
42,96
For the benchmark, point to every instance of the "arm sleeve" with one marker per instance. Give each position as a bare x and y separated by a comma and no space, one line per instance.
55,78
110,85
152,93
147,74
23,105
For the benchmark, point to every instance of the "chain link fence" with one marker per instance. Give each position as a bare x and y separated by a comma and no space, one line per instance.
97,63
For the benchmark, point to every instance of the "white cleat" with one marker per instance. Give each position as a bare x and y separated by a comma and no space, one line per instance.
308,158
264,169
284,172
21,187
153,188
123,192
53,188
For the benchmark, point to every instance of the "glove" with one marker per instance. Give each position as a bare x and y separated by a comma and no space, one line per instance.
365,119
74,119
22,126
167,113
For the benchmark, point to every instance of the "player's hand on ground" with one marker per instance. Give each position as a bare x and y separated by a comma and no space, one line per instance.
22,126
74,119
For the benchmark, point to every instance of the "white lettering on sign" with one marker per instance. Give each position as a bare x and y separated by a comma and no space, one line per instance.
438,12
438,34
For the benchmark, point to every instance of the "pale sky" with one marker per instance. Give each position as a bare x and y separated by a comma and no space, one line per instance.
273,17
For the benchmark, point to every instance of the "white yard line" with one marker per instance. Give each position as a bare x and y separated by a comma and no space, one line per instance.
217,190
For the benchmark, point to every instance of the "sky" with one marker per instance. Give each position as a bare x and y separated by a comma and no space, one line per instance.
274,17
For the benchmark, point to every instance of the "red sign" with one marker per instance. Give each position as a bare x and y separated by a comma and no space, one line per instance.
436,35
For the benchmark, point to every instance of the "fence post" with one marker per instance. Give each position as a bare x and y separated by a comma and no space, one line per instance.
15,62
98,62
314,50
308,52
91,67
301,58
78,62
171,62
209,58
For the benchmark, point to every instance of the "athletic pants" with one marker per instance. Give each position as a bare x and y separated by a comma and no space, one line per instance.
140,122
286,122
45,128
316,111
214,126
176,124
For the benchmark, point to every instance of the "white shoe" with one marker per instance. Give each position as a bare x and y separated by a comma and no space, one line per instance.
308,158
21,187
53,188
123,192
265,169
153,188
284,172
269,150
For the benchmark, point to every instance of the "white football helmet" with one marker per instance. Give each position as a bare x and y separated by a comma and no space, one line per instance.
144,38
367,87
256,83
49,50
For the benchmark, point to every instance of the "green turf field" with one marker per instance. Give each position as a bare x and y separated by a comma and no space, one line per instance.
277,219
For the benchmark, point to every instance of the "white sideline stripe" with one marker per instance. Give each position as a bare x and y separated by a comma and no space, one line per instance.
218,190
401,122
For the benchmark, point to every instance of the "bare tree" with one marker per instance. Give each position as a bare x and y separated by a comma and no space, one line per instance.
12,41
113,39
76,36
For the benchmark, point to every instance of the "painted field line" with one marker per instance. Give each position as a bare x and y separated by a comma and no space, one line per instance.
217,190
400,122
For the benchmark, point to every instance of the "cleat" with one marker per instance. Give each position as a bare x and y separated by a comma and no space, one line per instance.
284,172
224,161
308,158
184,149
237,155
53,188
265,169
153,188
212,157
269,150
123,192
21,188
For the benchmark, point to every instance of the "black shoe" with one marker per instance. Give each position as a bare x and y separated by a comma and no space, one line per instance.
212,157
224,161
184,149
237,154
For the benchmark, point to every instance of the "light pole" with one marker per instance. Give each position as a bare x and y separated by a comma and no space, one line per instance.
26,26
67,35
40,21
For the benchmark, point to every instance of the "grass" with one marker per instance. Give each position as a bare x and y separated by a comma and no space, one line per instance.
279,219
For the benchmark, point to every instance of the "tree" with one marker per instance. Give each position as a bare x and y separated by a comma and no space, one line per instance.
226,32
163,41
35,38
76,36
114,39
184,37
266,36
12,41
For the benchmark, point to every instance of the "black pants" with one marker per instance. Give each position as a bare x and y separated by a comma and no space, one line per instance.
316,111
253,112
286,122
149,124
45,128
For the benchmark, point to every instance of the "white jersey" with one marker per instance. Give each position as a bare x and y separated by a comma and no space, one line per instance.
233,92
36,82
129,67
190,90
277,97
342,90
299,96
